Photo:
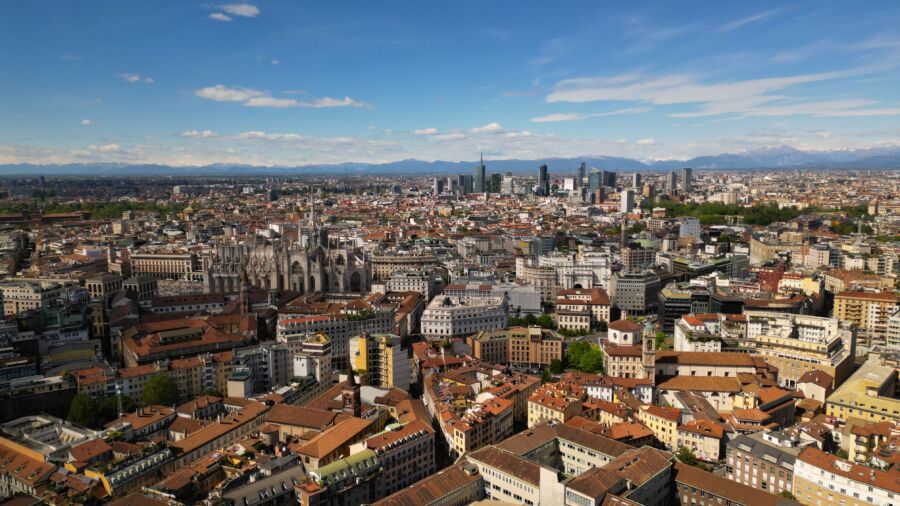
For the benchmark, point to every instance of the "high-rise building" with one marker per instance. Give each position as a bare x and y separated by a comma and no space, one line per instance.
506,186
672,183
608,179
579,180
626,204
479,177
686,179
380,356
543,181
636,180
595,179
438,186
464,183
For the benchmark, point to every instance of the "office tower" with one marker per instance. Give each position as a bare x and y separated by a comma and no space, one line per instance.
608,179
636,180
594,180
543,182
686,180
506,186
579,180
649,191
438,186
599,195
494,181
626,204
672,183
450,185
464,183
479,176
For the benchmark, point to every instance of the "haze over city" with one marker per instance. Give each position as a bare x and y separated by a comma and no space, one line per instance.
281,83
280,253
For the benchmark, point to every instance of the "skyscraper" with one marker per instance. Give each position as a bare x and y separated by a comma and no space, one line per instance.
636,180
438,187
594,179
579,180
506,186
464,183
543,181
608,179
626,204
686,179
479,176
671,183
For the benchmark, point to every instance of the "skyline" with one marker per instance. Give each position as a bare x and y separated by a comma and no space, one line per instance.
281,84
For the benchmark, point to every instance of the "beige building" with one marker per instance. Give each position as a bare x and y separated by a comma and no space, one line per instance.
870,311
797,343
869,394
826,480
523,346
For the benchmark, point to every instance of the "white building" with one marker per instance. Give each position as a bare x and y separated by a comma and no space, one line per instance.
690,227
462,316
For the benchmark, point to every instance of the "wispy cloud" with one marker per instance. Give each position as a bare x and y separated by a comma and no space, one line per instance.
87,122
550,51
751,97
643,36
740,23
571,116
242,10
257,98
218,16
490,127
136,78
425,131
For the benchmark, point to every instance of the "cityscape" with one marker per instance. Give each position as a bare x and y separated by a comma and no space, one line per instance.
277,253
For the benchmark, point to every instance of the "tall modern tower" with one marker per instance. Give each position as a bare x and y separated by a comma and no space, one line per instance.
686,179
608,179
671,182
579,180
543,181
636,180
626,204
479,176
595,179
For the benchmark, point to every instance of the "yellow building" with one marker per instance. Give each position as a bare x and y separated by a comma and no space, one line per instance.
663,422
380,356
869,311
544,406
868,395
525,346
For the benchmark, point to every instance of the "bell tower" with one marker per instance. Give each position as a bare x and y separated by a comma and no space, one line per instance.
350,396
648,358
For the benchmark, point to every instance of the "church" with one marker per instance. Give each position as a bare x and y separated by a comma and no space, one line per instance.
318,262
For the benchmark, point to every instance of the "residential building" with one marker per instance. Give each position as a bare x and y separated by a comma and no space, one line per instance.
824,479
380,356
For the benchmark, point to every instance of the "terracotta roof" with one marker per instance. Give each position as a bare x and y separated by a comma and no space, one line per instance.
624,326
817,377
640,464
715,485
704,428
89,450
886,480
335,437
509,463
301,416
702,384
430,489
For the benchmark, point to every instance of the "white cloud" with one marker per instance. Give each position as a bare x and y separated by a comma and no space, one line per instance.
645,142
218,16
271,102
490,127
425,131
256,98
199,134
105,148
275,62
243,10
87,122
222,93
559,116
572,116
752,97
136,78
739,23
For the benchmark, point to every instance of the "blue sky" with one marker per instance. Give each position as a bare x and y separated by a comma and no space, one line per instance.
285,83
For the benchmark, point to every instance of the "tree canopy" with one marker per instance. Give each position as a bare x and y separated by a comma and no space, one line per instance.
585,357
161,390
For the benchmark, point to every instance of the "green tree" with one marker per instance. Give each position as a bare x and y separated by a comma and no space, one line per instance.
603,326
545,321
83,411
213,392
787,495
556,366
160,389
575,351
546,377
686,456
530,319
592,361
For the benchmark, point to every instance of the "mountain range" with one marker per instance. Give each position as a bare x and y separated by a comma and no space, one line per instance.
781,157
